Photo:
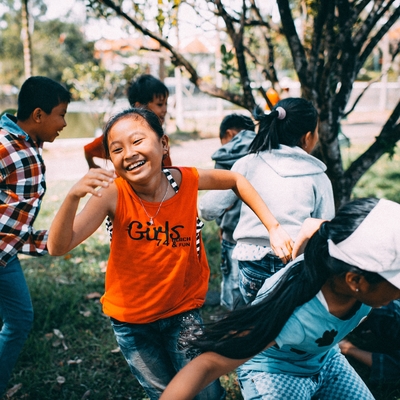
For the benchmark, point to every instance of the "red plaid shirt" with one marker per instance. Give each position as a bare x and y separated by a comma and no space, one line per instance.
22,186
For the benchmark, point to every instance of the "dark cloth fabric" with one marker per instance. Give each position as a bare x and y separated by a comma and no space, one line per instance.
380,334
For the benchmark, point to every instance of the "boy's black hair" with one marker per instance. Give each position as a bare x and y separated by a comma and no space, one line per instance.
40,92
143,89
235,121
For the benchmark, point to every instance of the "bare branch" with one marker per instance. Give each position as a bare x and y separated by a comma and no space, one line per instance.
296,48
384,143
376,39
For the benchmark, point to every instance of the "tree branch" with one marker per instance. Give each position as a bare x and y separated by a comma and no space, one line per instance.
384,143
296,48
178,59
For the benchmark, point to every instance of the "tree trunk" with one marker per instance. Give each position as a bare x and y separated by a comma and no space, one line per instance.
26,39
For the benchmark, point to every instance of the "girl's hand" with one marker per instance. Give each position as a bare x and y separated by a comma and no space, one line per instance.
309,227
346,346
281,243
96,178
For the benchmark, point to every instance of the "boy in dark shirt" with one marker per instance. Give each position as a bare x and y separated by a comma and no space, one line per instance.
236,132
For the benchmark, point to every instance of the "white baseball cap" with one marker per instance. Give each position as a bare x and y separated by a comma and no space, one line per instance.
375,245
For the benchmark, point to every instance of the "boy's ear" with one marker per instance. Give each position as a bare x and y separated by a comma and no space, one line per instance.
37,115
229,135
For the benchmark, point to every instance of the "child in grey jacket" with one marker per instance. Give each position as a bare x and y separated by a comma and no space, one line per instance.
236,133
291,181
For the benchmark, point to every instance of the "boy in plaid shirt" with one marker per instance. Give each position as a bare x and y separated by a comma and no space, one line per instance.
42,105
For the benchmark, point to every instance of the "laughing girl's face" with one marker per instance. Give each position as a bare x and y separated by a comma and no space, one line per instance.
135,149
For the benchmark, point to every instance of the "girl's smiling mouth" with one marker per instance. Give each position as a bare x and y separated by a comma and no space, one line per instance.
135,165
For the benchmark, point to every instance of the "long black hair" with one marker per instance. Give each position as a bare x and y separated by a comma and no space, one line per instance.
245,332
275,128
135,113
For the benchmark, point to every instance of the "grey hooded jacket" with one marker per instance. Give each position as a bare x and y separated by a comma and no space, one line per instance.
292,183
224,158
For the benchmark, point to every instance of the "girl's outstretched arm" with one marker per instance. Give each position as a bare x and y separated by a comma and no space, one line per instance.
199,373
309,227
68,229
281,242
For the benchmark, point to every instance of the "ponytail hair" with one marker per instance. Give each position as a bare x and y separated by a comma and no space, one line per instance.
289,120
247,331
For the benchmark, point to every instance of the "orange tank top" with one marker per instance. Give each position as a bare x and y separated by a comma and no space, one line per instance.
155,271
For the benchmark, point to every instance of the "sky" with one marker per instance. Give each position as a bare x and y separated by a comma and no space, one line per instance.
112,29
56,8
95,30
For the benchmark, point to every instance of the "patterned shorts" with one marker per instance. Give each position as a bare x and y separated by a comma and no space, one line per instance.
336,381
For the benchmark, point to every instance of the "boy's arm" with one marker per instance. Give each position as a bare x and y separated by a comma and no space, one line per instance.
281,242
94,149
215,202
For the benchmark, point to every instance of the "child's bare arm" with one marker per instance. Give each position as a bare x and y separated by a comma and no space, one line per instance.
68,229
309,227
280,241
199,373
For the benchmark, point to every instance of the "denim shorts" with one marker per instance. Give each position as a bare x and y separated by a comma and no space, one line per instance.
156,351
230,292
252,275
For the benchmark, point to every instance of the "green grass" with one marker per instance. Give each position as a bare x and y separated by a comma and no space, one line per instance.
83,364
382,180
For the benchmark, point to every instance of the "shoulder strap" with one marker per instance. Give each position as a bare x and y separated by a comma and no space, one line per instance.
171,180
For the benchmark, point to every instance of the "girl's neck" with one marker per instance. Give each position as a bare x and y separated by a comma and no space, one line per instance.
338,297
154,190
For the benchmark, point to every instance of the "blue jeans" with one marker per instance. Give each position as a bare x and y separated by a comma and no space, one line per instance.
252,275
16,313
155,352
230,292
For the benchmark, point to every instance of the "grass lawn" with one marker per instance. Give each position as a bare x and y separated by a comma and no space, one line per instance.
71,352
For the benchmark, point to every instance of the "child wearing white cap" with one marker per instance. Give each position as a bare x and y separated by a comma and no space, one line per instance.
286,342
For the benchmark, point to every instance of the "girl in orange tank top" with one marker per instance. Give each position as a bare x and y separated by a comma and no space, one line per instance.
157,274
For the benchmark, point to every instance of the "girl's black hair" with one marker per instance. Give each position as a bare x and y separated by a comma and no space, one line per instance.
135,113
245,332
301,117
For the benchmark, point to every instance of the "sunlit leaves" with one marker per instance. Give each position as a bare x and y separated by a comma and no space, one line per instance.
228,64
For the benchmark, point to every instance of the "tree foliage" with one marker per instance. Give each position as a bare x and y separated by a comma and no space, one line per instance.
90,81
329,42
55,46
